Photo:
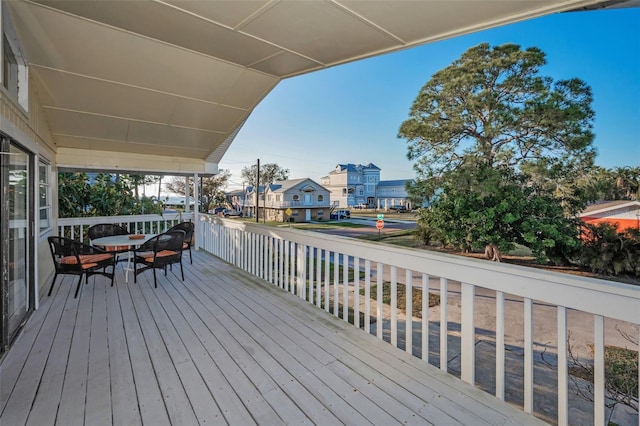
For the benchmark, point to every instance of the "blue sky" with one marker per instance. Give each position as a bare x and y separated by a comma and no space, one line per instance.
351,113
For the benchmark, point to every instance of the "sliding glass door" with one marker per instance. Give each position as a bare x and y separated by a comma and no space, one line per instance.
16,176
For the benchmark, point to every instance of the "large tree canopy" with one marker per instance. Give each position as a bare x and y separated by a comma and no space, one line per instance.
269,173
491,105
505,145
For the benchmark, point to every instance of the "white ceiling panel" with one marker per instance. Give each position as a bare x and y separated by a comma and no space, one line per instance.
318,30
107,98
206,116
87,125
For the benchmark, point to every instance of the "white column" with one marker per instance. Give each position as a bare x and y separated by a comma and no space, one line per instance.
196,213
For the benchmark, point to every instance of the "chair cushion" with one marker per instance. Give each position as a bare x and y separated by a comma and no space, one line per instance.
162,253
185,245
86,259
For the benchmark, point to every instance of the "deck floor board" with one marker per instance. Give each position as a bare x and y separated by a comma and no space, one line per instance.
222,347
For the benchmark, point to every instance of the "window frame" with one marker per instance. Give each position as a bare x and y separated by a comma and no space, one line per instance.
46,186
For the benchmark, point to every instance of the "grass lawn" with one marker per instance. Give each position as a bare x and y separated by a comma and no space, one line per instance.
434,299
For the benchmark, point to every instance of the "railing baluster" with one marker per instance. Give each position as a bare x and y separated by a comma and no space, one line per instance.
528,355
394,306
356,292
269,259
345,287
286,265
425,317
280,263
292,267
563,383
367,296
500,345
309,259
302,271
598,370
408,311
468,337
336,282
443,324
327,279
379,319
319,277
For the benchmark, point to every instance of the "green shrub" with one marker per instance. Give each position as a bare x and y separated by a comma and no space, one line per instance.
607,250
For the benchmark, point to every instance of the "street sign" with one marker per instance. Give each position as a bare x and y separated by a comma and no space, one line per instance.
288,212
380,216
380,224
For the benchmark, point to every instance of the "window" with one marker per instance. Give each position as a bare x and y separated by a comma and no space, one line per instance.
15,72
320,212
296,197
44,201
278,197
320,198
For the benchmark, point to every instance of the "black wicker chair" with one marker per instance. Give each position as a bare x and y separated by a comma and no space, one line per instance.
158,253
75,258
108,230
188,228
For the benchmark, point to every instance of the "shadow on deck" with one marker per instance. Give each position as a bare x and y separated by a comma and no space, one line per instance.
221,348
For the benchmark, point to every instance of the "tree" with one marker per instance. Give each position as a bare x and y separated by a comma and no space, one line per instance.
491,111
104,195
212,189
627,182
269,173
494,209
620,183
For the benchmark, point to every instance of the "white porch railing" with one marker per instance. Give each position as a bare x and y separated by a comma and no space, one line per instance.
76,227
300,262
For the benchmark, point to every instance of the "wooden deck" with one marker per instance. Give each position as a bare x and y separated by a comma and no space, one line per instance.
221,348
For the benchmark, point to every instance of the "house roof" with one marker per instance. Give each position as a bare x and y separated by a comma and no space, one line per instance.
165,86
353,168
285,185
605,206
398,182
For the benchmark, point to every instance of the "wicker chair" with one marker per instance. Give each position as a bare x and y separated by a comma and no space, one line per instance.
158,253
75,258
188,228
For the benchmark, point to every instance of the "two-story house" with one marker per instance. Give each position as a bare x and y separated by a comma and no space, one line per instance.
352,184
393,193
295,200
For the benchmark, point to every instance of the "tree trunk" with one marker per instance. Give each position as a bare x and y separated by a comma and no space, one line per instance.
492,252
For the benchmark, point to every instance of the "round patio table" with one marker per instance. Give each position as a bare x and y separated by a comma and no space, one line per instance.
120,241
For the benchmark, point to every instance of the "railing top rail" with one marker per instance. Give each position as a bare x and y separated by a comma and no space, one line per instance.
602,297
122,218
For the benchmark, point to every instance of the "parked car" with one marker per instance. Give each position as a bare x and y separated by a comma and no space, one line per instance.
340,214
231,212
217,210
399,209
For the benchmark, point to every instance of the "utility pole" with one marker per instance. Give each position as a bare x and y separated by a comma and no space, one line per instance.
257,191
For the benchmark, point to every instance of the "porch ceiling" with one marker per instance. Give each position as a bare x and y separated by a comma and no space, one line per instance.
178,78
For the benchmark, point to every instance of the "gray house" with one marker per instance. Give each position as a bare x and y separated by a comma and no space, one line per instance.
393,193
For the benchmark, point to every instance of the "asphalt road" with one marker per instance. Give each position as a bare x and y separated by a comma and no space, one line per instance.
370,228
